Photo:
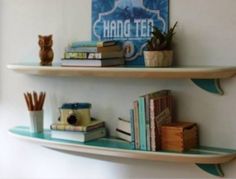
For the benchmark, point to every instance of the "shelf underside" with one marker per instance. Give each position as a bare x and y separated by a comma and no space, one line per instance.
119,148
127,72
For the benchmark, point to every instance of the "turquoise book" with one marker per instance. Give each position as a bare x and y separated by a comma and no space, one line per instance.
142,123
93,43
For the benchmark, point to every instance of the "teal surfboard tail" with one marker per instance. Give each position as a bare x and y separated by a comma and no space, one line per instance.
214,169
209,85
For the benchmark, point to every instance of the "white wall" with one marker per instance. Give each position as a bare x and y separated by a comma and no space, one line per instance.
206,36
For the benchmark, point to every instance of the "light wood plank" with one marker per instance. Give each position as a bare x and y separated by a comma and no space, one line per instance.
124,72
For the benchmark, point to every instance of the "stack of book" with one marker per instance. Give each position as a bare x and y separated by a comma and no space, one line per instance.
148,114
123,129
94,54
96,129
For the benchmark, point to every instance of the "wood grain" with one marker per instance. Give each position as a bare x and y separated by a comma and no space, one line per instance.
123,72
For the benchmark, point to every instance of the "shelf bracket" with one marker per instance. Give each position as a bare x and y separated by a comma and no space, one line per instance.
214,169
209,85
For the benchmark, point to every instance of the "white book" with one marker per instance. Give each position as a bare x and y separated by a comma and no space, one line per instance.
79,136
124,125
123,136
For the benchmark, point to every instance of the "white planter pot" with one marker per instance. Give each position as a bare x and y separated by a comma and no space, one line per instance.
158,58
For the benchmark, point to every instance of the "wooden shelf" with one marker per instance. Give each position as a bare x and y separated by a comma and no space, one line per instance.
119,148
125,72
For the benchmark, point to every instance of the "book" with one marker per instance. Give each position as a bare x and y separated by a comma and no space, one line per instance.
103,43
113,48
92,63
124,125
93,55
136,125
123,135
79,136
65,127
142,123
132,128
160,113
147,97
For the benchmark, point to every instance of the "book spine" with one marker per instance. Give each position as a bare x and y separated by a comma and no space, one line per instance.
123,135
75,55
82,55
84,44
63,127
171,107
93,43
136,125
152,125
124,125
155,108
89,128
142,122
82,49
147,116
95,134
132,128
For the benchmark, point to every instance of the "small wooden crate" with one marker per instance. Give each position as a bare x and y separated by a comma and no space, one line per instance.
179,136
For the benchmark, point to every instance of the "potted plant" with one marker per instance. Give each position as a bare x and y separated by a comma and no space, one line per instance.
159,51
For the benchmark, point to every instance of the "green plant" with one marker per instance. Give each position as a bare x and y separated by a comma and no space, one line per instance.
160,40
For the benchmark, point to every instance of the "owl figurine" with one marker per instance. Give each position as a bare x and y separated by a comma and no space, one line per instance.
46,53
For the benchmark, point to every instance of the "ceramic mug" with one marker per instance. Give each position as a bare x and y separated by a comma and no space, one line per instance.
36,121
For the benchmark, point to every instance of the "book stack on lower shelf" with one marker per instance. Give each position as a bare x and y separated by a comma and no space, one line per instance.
76,124
93,54
96,129
149,113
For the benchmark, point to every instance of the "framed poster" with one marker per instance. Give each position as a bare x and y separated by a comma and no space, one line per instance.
129,21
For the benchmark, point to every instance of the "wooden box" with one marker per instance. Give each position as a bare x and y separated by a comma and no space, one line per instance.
179,136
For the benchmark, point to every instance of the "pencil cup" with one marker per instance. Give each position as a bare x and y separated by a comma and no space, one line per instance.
36,121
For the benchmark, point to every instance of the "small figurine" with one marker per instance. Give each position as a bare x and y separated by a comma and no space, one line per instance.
46,53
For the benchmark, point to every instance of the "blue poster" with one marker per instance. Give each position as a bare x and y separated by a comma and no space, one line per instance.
129,21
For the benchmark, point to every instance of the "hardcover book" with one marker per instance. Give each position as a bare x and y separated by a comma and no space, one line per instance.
148,97
79,136
160,113
95,43
123,135
129,21
93,55
65,127
136,125
113,48
132,128
124,125
142,124
91,63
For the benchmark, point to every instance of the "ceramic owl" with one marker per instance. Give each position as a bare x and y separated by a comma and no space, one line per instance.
46,53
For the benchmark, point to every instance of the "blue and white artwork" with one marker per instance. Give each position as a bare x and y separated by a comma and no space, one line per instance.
129,21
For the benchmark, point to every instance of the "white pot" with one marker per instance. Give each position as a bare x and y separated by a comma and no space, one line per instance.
158,58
